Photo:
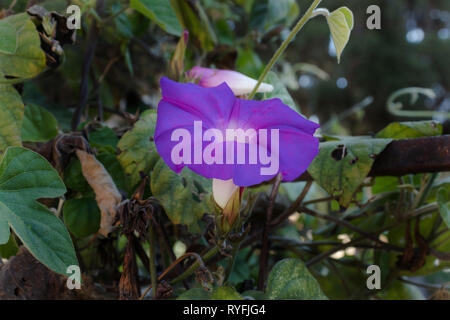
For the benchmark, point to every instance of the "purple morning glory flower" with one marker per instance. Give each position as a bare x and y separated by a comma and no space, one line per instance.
219,136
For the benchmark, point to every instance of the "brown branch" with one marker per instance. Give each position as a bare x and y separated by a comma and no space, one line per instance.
92,41
264,256
409,156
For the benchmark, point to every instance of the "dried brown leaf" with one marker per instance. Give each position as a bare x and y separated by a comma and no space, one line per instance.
107,195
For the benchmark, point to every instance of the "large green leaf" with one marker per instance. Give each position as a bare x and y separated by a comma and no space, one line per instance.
279,91
340,22
290,279
342,166
195,294
39,125
11,117
24,177
444,205
225,293
28,60
161,12
185,197
220,293
8,37
82,216
409,130
138,151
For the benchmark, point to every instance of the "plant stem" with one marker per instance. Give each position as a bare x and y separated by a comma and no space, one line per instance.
264,256
153,260
308,14
211,253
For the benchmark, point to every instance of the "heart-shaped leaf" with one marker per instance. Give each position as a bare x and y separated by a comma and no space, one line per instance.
342,165
185,197
24,177
28,60
39,125
291,280
340,22
82,216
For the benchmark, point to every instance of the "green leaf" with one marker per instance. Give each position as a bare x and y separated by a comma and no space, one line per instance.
342,166
24,177
161,12
138,151
39,125
195,294
82,216
340,22
103,137
280,91
249,63
268,14
402,291
10,248
28,60
193,17
11,117
290,279
226,293
409,130
444,205
8,37
185,197
255,294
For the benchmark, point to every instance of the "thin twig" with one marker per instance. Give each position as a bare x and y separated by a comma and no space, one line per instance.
349,226
200,262
264,256
294,206
92,41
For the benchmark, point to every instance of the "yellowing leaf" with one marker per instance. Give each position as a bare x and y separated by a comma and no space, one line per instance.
342,165
340,22
138,151
410,130
28,60
185,197
11,117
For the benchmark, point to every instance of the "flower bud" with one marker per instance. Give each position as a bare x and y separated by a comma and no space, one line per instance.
239,83
228,198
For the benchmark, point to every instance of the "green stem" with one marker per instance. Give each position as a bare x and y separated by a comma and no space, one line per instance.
153,260
211,253
423,194
232,260
308,15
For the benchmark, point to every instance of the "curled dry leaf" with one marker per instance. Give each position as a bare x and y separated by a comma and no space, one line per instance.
107,195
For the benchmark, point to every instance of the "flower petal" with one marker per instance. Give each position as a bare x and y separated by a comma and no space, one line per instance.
239,83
